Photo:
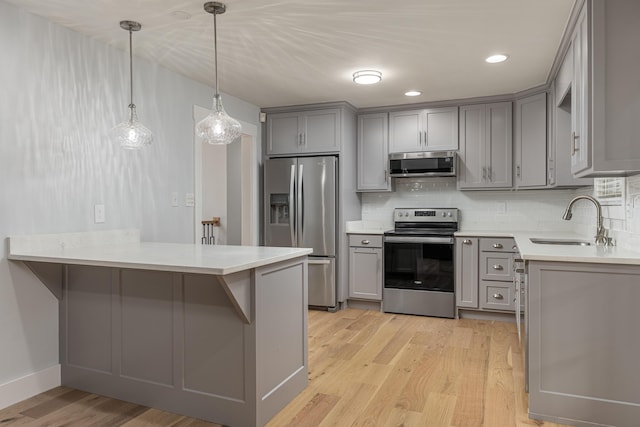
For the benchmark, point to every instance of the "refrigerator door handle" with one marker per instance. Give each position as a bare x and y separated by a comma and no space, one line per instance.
300,206
292,209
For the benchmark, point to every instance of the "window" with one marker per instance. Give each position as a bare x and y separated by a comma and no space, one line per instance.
610,192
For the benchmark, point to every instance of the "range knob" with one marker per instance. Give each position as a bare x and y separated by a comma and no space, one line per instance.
444,214
449,214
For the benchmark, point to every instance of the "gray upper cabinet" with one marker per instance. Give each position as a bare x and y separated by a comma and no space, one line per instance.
373,148
485,156
530,142
434,129
605,89
306,132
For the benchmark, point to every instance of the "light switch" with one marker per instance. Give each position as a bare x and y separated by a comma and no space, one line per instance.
189,199
98,214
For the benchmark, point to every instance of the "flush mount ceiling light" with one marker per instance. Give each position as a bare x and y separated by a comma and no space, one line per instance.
367,77
413,93
131,134
494,59
218,127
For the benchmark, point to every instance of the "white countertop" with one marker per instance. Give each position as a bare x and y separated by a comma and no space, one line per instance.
179,257
563,253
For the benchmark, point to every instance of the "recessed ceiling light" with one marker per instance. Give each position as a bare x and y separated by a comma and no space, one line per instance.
413,93
494,59
367,77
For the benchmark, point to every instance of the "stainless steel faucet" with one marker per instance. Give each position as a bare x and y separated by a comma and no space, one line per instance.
601,234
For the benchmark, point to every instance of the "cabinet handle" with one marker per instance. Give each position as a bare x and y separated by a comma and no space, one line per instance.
420,137
304,139
498,267
299,139
386,176
518,171
574,143
365,242
489,174
466,241
484,173
425,137
497,245
498,296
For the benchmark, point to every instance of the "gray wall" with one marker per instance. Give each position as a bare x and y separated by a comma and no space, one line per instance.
60,93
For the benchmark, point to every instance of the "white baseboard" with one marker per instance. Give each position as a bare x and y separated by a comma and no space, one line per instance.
28,386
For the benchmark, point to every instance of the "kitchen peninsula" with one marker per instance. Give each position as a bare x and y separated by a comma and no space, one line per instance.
213,332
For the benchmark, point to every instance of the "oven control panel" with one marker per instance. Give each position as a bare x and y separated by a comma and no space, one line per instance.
425,215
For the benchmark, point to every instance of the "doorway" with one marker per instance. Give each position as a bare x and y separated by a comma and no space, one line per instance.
226,186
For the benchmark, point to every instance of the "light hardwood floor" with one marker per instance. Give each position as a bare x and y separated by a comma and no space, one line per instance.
366,369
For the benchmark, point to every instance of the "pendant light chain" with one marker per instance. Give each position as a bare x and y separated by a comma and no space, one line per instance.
215,50
131,106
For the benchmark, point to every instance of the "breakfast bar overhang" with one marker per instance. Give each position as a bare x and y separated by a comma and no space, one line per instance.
212,332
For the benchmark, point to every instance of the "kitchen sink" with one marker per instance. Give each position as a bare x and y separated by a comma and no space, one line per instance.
553,241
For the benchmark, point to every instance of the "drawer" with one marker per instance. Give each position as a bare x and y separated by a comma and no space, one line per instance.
365,240
497,295
496,266
498,244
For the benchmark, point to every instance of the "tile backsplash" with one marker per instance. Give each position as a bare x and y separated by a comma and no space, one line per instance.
530,210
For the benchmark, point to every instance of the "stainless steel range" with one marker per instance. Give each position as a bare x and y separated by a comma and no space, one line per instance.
419,263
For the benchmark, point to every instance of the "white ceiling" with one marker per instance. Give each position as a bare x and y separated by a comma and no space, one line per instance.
288,52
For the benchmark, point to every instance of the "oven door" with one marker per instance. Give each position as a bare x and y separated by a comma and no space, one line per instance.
419,263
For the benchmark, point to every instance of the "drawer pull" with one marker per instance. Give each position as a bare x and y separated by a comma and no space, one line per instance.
466,241
514,248
498,267
497,245
365,242
497,296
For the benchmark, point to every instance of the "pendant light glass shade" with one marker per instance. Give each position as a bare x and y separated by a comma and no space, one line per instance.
218,127
131,134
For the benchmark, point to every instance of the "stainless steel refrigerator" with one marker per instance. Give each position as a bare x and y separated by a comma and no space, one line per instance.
300,211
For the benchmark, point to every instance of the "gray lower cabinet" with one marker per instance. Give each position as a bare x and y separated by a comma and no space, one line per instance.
365,267
175,341
484,273
584,343
466,264
373,152
485,156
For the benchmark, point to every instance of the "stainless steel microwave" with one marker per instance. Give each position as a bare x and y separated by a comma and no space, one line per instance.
428,163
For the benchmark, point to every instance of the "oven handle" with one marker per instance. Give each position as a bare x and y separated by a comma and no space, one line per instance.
415,239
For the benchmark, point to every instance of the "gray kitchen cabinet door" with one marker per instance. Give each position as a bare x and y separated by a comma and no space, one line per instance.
440,129
466,265
559,139
530,143
405,131
606,89
498,145
471,158
580,147
365,273
485,156
584,343
321,132
283,133
434,129
308,132
373,148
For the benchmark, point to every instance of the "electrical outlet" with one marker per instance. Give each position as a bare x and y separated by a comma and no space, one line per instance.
174,199
98,214
189,199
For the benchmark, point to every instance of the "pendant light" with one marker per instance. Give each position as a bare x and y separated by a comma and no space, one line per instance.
217,127
131,134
